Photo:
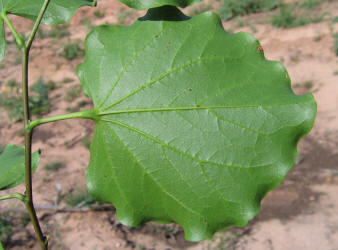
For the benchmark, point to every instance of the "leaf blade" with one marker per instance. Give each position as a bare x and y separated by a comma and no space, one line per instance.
12,166
58,11
192,128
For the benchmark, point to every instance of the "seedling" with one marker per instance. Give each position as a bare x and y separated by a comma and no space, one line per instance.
192,124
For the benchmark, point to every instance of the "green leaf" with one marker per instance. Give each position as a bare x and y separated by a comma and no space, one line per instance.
195,126
2,40
58,11
12,166
147,4
1,247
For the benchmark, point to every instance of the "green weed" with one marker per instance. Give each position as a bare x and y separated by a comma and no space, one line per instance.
233,8
98,14
59,31
310,4
5,231
86,22
72,93
53,166
51,85
82,103
293,15
335,43
67,80
79,198
12,101
72,51
39,102
306,85
12,83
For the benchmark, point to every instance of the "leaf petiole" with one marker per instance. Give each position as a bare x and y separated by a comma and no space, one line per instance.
17,37
18,196
85,114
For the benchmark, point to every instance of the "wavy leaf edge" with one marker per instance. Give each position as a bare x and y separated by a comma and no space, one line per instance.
198,234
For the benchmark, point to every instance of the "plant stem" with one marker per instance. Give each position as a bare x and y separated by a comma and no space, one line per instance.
37,24
17,37
85,114
28,133
18,196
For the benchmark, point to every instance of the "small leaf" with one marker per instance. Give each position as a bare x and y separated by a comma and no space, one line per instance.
12,166
58,11
147,4
2,40
195,126
1,247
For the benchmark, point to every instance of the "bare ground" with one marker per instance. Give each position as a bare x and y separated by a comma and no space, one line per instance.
302,213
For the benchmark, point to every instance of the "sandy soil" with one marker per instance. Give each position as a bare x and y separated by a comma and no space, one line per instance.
300,214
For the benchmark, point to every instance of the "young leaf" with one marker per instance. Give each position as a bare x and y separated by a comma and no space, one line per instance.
2,40
195,125
12,166
58,11
147,4
1,247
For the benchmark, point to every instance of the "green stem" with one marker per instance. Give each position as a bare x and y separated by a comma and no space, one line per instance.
17,37
28,133
37,24
85,114
18,196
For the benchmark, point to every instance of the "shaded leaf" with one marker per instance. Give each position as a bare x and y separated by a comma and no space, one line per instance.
12,166
147,4
195,126
58,11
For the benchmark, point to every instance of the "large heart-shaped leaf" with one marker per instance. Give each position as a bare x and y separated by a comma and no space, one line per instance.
194,126
147,4
12,166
